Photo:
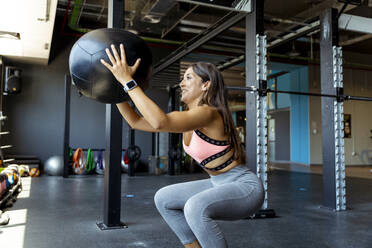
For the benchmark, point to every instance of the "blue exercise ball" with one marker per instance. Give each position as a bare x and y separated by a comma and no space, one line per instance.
54,166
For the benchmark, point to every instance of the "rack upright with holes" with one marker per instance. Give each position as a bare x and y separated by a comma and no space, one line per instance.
2,118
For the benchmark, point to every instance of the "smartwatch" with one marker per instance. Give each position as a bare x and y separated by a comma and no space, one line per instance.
129,85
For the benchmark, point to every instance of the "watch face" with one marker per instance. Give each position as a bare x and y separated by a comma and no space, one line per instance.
131,84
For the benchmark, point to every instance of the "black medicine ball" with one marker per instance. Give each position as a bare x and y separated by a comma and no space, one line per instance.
92,78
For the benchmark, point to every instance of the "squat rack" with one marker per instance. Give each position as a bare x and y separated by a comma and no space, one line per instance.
334,195
256,70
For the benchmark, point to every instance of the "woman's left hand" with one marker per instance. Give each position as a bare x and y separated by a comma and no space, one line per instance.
120,68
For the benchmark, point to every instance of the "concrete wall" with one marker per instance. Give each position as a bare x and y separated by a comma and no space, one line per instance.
36,115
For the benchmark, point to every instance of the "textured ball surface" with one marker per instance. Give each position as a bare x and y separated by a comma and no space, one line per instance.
92,78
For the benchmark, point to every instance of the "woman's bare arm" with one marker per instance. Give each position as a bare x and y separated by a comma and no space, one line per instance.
175,122
154,119
134,120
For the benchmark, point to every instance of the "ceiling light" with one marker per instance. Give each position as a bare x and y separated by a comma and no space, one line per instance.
293,53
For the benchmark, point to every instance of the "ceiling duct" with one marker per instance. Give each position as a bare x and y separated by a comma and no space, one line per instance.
154,11
10,35
167,78
239,5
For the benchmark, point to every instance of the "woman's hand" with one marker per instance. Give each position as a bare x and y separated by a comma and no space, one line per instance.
120,68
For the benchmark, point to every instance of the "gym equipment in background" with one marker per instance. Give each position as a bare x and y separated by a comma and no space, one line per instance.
78,162
100,163
24,170
89,162
92,78
30,160
10,185
54,166
34,172
134,153
13,81
124,162
3,188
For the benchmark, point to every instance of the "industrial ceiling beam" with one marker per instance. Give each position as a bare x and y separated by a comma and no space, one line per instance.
356,40
355,23
242,5
215,29
346,22
166,31
293,35
316,10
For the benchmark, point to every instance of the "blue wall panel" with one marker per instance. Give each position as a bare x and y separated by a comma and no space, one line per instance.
284,83
300,144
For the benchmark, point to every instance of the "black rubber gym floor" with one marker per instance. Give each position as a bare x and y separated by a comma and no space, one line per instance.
63,213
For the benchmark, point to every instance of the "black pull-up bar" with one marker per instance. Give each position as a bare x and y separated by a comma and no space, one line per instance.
264,91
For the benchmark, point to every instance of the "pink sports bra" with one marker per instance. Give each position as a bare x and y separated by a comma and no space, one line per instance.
204,149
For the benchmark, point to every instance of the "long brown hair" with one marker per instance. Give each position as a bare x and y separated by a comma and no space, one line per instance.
216,96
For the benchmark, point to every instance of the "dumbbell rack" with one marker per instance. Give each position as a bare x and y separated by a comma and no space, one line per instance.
11,194
2,147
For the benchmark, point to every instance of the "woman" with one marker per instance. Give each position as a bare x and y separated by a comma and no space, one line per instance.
232,192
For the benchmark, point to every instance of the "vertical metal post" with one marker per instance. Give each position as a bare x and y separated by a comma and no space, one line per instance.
156,141
112,186
276,94
334,194
116,10
114,132
132,137
153,144
132,141
172,136
256,105
66,140
1,101
1,82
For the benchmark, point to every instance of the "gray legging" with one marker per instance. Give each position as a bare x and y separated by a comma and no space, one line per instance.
191,208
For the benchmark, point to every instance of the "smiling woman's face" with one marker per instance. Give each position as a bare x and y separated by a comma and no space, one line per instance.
191,87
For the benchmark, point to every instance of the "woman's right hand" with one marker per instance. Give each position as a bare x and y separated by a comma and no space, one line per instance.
120,68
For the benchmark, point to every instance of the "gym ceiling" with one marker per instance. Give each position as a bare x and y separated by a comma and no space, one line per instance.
170,23
179,21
